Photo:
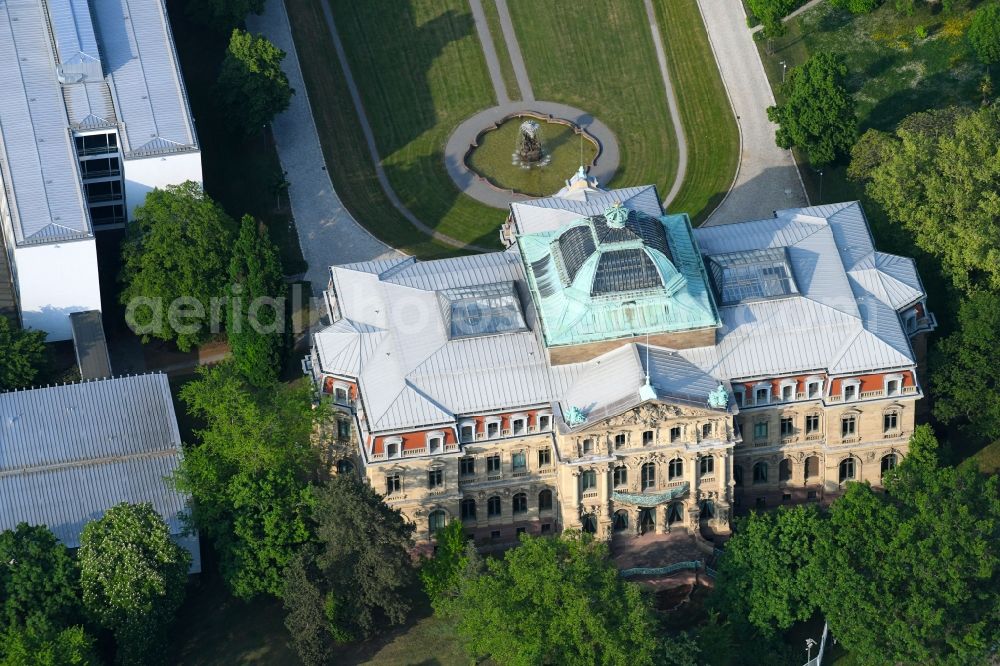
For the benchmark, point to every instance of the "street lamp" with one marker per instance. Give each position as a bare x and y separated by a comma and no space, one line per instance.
810,643
784,66
820,172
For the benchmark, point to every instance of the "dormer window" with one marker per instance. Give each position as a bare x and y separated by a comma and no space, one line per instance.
893,385
467,431
341,394
435,442
787,392
762,395
393,447
493,429
518,425
814,388
738,394
850,389
544,422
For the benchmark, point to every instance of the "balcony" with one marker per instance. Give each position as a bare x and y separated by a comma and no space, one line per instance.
651,499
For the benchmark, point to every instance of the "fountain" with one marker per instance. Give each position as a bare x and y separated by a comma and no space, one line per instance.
528,152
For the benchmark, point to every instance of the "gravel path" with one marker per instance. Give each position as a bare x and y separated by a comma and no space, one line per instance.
675,114
489,51
768,179
328,234
514,49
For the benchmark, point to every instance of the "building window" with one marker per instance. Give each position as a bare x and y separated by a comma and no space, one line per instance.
518,426
850,391
495,534
493,429
738,395
888,463
392,448
892,387
788,392
519,503
544,457
544,422
675,469
813,390
619,440
706,430
493,464
467,466
468,507
493,507
519,531
546,528
436,520
675,434
812,423
519,461
340,395
468,432
435,478
738,475
760,430
890,421
435,444
545,500
812,494
620,476
848,425
647,437
588,446
760,472
761,396
785,470
393,484
787,426
812,468
846,469
706,465
648,476
343,429
588,480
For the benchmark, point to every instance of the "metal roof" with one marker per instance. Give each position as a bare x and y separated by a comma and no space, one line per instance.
752,275
70,452
39,165
551,213
77,55
90,344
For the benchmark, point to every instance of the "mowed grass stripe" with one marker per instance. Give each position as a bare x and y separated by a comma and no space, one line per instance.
503,54
421,71
599,57
713,138
351,169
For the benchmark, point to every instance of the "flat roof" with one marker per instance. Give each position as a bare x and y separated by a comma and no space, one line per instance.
90,344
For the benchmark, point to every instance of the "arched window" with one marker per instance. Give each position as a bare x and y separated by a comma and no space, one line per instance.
648,476
620,476
785,470
589,523
707,509
620,520
675,513
545,500
345,467
812,468
493,507
675,469
588,480
889,462
519,503
468,509
846,469
738,474
760,472
437,520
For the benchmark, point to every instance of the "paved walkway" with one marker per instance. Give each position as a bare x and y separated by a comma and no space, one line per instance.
328,234
514,49
489,51
768,179
675,114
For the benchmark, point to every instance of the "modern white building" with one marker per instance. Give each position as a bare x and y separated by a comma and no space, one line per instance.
93,116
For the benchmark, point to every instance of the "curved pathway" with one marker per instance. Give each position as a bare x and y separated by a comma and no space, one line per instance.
768,178
328,234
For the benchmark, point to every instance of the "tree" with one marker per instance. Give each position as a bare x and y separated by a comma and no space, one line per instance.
912,575
765,574
554,600
38,580
175,259
250,474
256,315
223,15
817,115
22,353
252,87
963,368
357,585
984,33
442,572
856,6
941,182
770,13
133,576
40,647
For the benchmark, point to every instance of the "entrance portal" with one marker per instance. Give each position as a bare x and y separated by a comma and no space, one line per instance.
647,520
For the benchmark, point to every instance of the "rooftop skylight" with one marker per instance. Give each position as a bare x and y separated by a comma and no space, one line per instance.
752,275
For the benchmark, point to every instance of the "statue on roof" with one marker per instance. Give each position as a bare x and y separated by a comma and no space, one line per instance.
719,398
575,416
616,214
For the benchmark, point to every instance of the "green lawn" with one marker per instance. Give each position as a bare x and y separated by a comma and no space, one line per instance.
351,169
421,71
713,138
506,68
599,57
988,458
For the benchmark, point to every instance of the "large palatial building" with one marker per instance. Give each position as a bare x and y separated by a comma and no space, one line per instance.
617,370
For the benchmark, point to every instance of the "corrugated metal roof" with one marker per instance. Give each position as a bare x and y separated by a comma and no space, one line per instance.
68,453
141,64
77,53
89,105
39,166
90,344
551,213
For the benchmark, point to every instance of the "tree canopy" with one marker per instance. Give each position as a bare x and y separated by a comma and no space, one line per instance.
36,646
223,15
556,600
250,474
938,176
770,13
441,573
256,313
39,581
252,87
984,33
22,353
857,6
133,577
175,262
817,115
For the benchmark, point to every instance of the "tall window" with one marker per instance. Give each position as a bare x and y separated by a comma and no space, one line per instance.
619,440
621,476
848,425
545,500
648,476
706,430
589,523
760,430
544,457
544,422
392,449
888,463
890,421
738,475
340,395
812,423
493,464
343,429
393,484
493,507
738,394
675,469
706,465
436,520
435,478
518,426
787,426
892,387
588,480
647,437
761,395
675,434
468,432
785,470
814,389
788,392
850,392
812,468
519,503
760,472
519,461
588,446
468,507
434,444
846,469
492,429
467,466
